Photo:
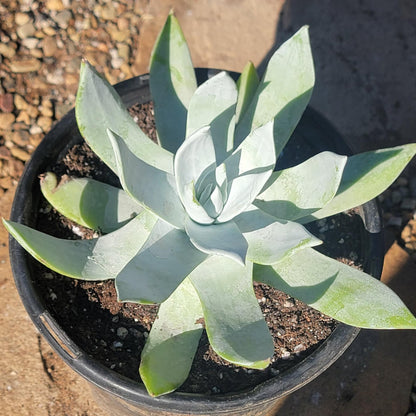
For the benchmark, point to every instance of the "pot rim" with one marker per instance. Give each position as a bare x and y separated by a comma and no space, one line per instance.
133,392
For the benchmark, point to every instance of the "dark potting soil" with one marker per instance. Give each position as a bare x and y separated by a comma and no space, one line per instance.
114,333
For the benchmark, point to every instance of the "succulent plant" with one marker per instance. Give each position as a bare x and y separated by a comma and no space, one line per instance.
203,213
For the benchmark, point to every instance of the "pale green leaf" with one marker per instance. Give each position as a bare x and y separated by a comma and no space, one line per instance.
164,261
173,340
303,189
283,92
247,170
222,239
153,188
215,203
234,322
88,202
96,259
194,161
270,239
246,85
335,289
214,104
366,176
172,84
98,107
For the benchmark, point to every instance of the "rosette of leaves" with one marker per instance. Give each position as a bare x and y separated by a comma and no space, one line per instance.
203,213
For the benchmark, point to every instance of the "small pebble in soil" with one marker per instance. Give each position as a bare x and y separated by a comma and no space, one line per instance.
299,348
117,344
285,354
77,231
122,332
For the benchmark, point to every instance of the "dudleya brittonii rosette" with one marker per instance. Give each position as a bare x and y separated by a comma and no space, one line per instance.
204,213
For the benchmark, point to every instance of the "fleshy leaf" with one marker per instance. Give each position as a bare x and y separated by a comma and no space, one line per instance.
247,170
164,261
194,161
214,104
215,203
95,259
172,83
155,189
270,240
246,85
98,108
284,91
340,291
88,202
221,239
173,340
366,176
303,189
235,324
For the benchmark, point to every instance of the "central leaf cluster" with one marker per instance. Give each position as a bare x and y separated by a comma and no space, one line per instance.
213,192
211,195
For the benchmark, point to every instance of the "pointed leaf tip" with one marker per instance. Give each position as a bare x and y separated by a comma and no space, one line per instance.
284,91
338,290
247,84
172,342
234,322
98,107
365,176
88,202
172,83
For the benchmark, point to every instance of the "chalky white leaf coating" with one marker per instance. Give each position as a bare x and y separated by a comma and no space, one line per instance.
234,322
283,92
130,168
247,170
214,104
270,239
221,239
193,160
173,340
303,189
98,107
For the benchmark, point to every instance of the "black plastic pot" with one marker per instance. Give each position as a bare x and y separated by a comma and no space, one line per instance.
122,396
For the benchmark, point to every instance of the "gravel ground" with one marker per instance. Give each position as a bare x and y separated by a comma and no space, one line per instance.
42,44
